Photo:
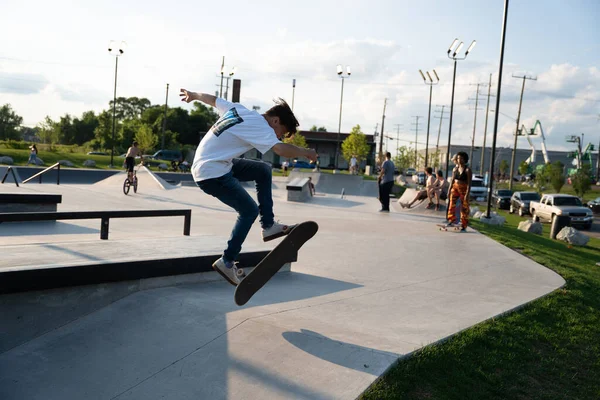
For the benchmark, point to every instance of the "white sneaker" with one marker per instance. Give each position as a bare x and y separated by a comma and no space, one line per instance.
275,231
228,271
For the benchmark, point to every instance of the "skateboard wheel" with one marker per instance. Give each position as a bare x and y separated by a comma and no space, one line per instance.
241,273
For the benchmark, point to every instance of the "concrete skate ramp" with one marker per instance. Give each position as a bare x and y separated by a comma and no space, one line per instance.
353,185
145,176
420,206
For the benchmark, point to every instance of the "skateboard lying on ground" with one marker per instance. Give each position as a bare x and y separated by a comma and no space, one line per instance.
283,253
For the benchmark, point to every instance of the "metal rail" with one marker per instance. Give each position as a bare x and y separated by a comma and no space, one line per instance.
10,169
39,174
104,216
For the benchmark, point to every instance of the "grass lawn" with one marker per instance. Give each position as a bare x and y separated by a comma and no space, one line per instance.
548,349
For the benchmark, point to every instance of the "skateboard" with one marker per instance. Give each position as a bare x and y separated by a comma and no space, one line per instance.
446,228
284,252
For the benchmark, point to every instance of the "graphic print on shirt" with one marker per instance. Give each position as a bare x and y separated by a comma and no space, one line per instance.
227,120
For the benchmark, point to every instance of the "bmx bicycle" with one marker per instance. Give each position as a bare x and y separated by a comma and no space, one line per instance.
128,183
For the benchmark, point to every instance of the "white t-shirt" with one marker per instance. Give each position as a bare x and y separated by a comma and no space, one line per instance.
353,162
237,131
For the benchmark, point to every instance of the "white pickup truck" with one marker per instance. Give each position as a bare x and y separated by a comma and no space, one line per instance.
561,204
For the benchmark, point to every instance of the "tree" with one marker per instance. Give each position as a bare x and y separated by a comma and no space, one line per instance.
103,132
48,131
355,145
541,178
129,107
405,158
581,180
555,176
84,127
66,130
523,168
297,140
146,139
319,129
9,123
503,167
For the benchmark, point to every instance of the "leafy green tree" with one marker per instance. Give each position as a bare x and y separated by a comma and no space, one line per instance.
503,167
355,145
129,107
555,176
9,123
48,131
405,158
297,140
66,130
84,127
581,180
523,168
319,129
147,140
435,156
103,132
541,178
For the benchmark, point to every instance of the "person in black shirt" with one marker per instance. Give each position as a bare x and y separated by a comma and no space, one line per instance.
460,188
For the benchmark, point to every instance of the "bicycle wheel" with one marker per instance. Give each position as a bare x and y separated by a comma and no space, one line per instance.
126,186
135,183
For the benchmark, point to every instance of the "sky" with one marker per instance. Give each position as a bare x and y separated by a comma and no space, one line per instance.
54,60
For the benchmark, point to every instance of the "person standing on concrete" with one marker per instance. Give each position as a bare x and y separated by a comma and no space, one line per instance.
460,188
218,171
353,165
386,182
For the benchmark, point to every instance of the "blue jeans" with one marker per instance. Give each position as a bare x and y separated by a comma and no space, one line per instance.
227,188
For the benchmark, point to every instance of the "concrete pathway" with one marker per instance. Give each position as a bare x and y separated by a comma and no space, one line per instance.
367,289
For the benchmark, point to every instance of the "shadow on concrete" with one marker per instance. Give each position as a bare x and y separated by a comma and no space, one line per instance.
44,228
334,351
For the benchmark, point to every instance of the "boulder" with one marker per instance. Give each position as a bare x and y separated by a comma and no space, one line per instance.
89,163
163,167
531,227
65,163
39,161
494,219
474,210
6,160
572,236
477,214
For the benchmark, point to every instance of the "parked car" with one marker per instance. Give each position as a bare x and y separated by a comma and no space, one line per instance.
167,155
419,178
501,198
97,153
594,205
478,189
410,171
552,205
301,164
519,202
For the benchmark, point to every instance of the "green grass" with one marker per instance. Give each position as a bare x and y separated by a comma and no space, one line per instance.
548,349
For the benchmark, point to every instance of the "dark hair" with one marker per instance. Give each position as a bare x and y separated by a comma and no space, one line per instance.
440,173
388,154
429,170
286,116
135,143
464,156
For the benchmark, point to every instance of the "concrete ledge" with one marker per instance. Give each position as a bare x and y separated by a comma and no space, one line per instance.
298,190
29,202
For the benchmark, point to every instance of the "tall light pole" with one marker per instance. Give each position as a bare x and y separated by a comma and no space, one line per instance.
340,72
117,52
164,124
430,83
293,92
453,52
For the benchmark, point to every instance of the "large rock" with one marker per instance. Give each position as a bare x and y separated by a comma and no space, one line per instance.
6,160
89,163
39,161
163,167
531,227
65,163
494,219
474,210
572,236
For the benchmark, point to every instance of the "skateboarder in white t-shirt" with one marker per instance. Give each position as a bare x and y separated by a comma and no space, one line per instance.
218,171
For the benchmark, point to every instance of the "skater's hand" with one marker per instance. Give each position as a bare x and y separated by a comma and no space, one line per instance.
187,96
311,154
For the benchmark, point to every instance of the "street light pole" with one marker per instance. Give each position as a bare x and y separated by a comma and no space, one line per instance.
293,92
164,124
455,58
340,72
120,51
430,83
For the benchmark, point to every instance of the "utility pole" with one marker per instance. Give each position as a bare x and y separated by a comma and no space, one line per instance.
382,124
437,143
416,138
164,124
398,139
487,109
474,125
222,70
514,153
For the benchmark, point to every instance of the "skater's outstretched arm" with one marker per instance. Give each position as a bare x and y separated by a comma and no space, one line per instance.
290,151
189,96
